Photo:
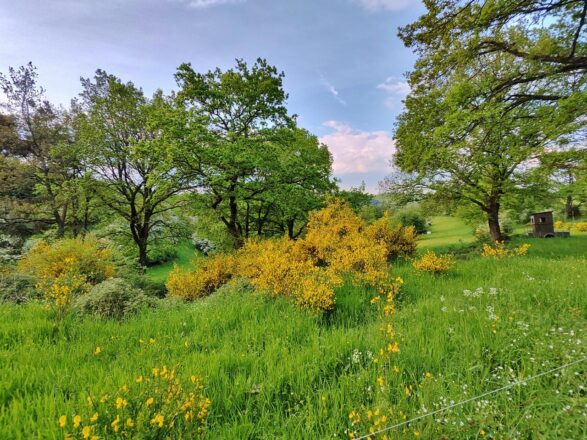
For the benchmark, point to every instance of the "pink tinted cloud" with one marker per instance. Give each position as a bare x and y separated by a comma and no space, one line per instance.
358,151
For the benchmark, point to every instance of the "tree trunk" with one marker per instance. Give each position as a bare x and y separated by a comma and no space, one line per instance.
569,211
60,223
143,258
493,221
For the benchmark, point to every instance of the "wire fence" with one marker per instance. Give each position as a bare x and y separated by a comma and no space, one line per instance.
472,399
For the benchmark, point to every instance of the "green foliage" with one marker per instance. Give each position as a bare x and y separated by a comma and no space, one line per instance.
412,215
259,173
123,136
114,298
18,288
474,117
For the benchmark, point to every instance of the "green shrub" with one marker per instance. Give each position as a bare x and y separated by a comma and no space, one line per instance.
412,216
18,288
149,286
114,298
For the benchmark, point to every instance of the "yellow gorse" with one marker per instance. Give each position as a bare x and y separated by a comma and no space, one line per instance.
436,264
498,250
172,403
338,245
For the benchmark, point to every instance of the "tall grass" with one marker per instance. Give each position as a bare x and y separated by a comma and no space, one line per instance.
274,371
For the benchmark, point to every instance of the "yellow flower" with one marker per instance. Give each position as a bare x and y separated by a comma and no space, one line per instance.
428,375
94,417
482,432
86,432
76,421
158,420
97,351
120,403
62,421
151,340
130,423
150,401
380,381
408,390
115,424
139,379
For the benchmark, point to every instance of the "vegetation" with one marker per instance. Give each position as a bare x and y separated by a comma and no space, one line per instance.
237,342
185,265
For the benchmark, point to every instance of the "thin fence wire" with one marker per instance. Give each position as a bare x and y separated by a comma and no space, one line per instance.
488,393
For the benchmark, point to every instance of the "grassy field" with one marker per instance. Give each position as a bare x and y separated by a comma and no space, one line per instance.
446,233
274,371
185,255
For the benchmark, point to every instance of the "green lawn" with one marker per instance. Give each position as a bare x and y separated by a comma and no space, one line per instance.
446,232
185,255
274,371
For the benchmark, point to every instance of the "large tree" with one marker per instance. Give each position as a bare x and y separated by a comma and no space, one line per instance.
39,136
121,131
242,150
478,111
546,40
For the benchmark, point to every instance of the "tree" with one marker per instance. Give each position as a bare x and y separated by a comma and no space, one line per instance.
546,41
242,150
484,101
568,170
121,131
40,135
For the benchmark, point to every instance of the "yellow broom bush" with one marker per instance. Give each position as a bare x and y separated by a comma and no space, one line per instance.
338,244
436,264
158,405
498,250
67,268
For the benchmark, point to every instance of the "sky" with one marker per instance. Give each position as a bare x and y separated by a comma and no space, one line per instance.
344,64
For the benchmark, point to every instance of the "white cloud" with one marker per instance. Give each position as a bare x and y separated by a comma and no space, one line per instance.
389,5
202,4
332,90
396,89
358,151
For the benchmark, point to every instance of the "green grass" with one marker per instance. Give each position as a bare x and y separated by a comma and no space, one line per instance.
446,232
185,255
274,371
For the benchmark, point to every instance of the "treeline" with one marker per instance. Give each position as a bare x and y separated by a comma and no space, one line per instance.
223,147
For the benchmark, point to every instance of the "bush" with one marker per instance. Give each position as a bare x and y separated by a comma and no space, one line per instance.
203,245
399,241
498,250
338,243
67,268
10,247
150,287
18,288
114,298
412,216
436,264
157,405
212,273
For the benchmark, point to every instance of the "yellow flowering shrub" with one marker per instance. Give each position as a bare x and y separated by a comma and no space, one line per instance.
579,226
213,273
67,268
498,250
436,264
399,241
338,244
155,406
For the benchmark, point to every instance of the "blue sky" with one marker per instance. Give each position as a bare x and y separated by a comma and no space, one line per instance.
343,62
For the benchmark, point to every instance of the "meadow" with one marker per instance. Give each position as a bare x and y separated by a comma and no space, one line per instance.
272,370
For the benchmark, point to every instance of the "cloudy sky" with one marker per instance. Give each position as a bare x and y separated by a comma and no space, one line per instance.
343,62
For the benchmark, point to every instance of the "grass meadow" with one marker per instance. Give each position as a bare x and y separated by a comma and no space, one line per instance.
274,371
